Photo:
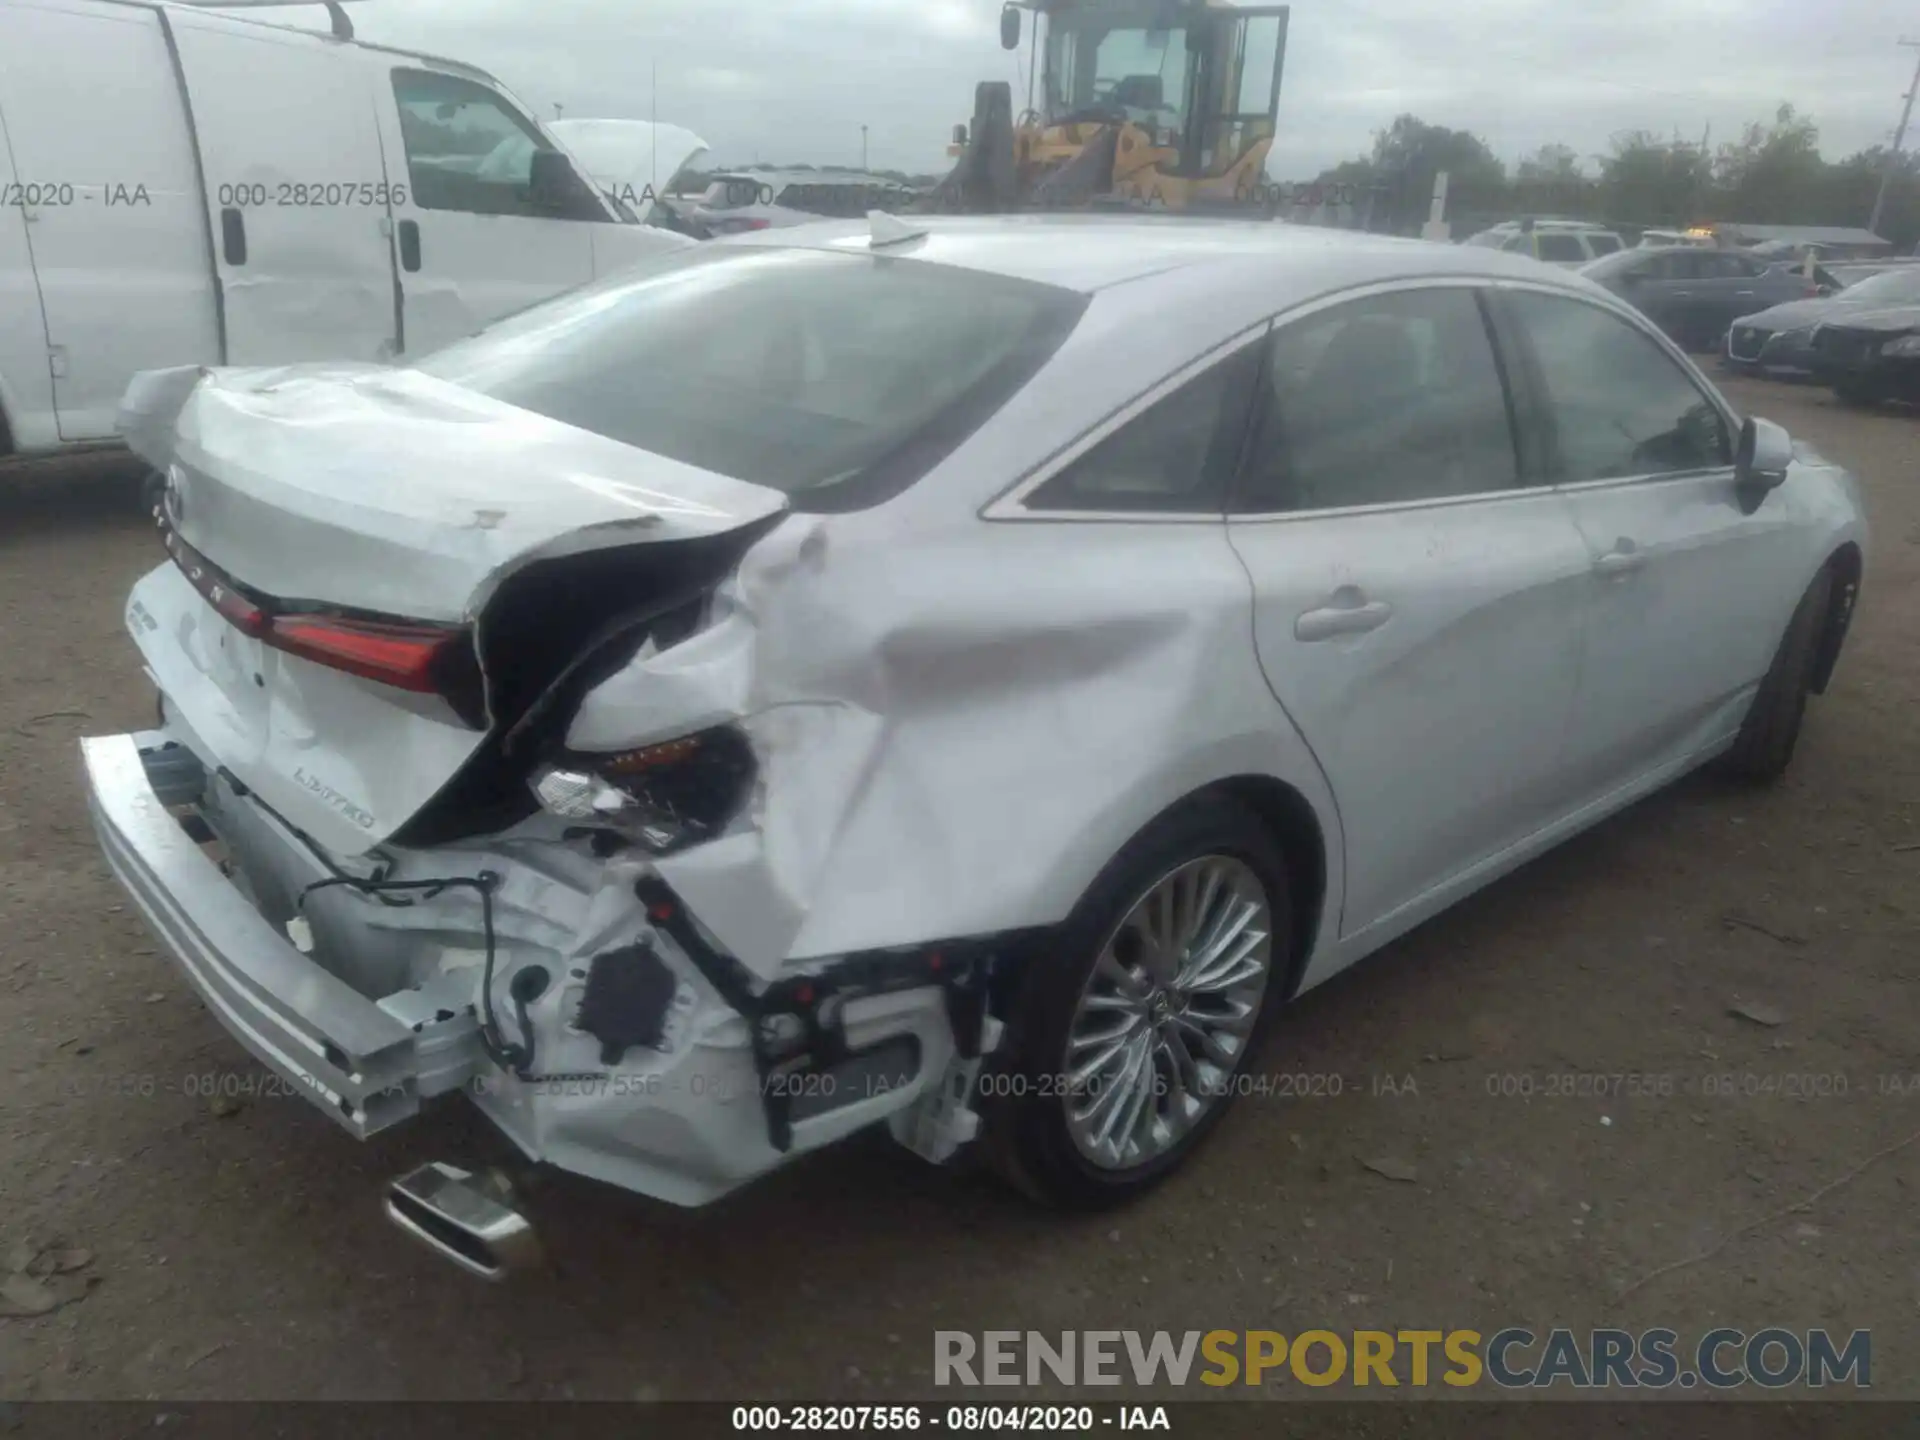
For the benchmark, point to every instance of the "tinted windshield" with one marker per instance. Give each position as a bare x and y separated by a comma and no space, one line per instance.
838,378
1891,287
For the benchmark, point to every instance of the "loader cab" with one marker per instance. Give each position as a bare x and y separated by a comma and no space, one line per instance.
1200,82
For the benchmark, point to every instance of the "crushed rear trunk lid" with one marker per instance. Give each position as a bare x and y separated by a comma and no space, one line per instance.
365,512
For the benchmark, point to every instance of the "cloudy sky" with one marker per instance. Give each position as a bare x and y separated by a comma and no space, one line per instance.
794,80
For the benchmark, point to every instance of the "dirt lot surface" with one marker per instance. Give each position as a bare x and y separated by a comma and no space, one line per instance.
240,1251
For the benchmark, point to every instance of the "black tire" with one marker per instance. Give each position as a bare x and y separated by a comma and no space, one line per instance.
1854,392
1767,736
1026,1136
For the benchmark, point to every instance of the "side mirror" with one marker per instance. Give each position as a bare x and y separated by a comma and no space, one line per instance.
1760,461
1009,29
551,182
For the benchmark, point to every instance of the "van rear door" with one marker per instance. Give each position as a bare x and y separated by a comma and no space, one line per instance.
296,190
104,181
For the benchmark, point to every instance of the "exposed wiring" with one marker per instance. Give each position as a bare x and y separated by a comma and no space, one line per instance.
516,1057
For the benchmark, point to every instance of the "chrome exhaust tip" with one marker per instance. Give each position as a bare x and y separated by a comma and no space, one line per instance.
463,1218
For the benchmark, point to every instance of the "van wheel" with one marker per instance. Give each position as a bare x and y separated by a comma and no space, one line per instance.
1131,1025
1854,392
1767,736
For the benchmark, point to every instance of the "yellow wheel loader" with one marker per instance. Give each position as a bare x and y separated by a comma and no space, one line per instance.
1158,104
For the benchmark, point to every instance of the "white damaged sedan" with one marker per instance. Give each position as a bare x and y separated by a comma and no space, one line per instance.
967,678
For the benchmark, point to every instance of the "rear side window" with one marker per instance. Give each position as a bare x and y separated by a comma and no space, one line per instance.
1617,405
1173,458
1555,246
1603,244
838,378
1393,398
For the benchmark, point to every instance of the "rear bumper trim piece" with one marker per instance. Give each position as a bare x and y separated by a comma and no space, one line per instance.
364,1065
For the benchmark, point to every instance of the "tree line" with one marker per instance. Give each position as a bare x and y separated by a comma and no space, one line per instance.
1772,174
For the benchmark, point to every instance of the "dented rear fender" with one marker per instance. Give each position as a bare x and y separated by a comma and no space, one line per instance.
953,735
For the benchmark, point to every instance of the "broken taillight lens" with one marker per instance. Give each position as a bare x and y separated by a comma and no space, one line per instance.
670,794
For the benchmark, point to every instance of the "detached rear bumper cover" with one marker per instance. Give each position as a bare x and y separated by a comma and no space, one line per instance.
359,1060
684,1122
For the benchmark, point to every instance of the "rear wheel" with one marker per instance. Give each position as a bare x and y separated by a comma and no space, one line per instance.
1768,735
1128,1032
1856,392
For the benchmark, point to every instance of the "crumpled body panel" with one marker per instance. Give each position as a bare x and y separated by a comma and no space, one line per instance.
955,731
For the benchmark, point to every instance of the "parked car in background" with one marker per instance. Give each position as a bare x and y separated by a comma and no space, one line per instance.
1659,239
744,200
1695,293
1567,243
1871,355
1780,340
224,190
1852,272
665,810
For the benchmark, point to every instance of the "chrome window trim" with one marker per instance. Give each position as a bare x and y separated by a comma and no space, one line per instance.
1658,477
1008,505
1387,507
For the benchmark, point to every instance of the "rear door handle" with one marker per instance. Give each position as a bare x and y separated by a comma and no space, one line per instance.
1623,559
1355,615
409,245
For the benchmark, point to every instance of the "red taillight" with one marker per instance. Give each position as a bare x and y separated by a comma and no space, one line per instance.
394,652
407,657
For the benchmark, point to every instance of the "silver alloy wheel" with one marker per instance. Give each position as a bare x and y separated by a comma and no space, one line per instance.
1167,1011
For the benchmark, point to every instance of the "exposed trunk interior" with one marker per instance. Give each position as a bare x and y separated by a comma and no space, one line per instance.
551,633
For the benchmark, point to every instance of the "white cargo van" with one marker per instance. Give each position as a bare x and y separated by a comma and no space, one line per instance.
182,184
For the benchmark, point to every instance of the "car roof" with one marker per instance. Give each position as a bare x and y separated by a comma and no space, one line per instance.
1089,253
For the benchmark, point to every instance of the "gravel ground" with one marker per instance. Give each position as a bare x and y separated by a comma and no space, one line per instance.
239,1251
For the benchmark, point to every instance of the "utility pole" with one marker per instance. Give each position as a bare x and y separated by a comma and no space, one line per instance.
1702,175
863,149
1899,135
